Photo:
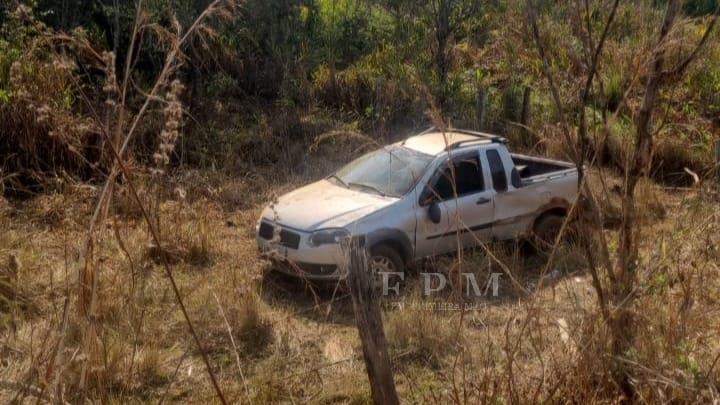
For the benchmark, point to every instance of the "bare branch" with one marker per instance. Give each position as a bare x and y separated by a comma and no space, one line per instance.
582,131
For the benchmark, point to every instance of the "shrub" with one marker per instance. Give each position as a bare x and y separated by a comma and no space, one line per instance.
42,133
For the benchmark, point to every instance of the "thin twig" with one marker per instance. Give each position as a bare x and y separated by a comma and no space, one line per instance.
232,340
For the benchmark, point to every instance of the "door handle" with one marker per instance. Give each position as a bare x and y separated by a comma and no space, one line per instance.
482,200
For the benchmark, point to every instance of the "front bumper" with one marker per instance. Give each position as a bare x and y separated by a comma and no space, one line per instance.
297,258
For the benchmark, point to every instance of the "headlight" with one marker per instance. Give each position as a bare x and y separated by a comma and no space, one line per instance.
327,236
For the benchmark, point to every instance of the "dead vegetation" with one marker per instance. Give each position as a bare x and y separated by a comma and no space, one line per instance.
270,340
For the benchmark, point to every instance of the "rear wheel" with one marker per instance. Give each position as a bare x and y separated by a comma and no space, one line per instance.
546,231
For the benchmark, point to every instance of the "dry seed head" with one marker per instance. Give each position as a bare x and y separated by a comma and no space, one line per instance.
23,13
63,63
173,119
110,88
15,72
43,114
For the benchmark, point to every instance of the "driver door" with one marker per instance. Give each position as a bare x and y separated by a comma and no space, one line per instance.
465,206
431,238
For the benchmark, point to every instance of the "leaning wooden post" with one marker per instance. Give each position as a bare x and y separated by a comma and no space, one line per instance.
369,321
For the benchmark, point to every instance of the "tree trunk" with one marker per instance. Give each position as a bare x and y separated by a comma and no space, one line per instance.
481,106
623,294
379,108
525,114
442,36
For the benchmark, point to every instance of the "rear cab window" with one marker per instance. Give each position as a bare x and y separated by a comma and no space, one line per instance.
497,170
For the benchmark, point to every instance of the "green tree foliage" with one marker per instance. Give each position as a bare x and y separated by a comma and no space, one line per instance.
700,7
265,44
385,62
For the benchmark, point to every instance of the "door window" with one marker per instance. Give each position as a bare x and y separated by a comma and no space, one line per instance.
467,176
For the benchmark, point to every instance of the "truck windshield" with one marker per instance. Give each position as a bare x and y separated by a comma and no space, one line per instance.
391,171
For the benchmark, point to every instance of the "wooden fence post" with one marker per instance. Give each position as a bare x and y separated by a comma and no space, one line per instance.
369,322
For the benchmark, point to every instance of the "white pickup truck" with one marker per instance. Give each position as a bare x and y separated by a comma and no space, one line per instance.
415,199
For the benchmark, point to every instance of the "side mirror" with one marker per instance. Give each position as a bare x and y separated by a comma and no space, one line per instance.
434,212
426,197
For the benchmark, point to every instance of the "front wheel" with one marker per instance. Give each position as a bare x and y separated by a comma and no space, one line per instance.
383,258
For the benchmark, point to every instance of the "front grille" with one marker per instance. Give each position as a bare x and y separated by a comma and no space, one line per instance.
287,238
317,269
309,269
265,231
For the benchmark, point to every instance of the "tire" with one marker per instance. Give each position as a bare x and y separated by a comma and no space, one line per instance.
387,259
546,230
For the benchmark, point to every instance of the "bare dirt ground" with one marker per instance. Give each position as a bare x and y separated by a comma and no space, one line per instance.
271,338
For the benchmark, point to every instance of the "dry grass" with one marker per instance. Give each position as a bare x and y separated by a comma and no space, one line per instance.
274,341
421,335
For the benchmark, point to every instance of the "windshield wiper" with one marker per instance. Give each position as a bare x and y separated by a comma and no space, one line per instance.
368,187
339,180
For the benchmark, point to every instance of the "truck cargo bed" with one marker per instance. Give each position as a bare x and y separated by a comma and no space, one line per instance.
529,166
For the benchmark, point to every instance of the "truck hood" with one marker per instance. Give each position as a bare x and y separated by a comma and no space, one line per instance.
323,205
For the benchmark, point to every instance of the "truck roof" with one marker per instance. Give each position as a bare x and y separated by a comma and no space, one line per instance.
433,142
